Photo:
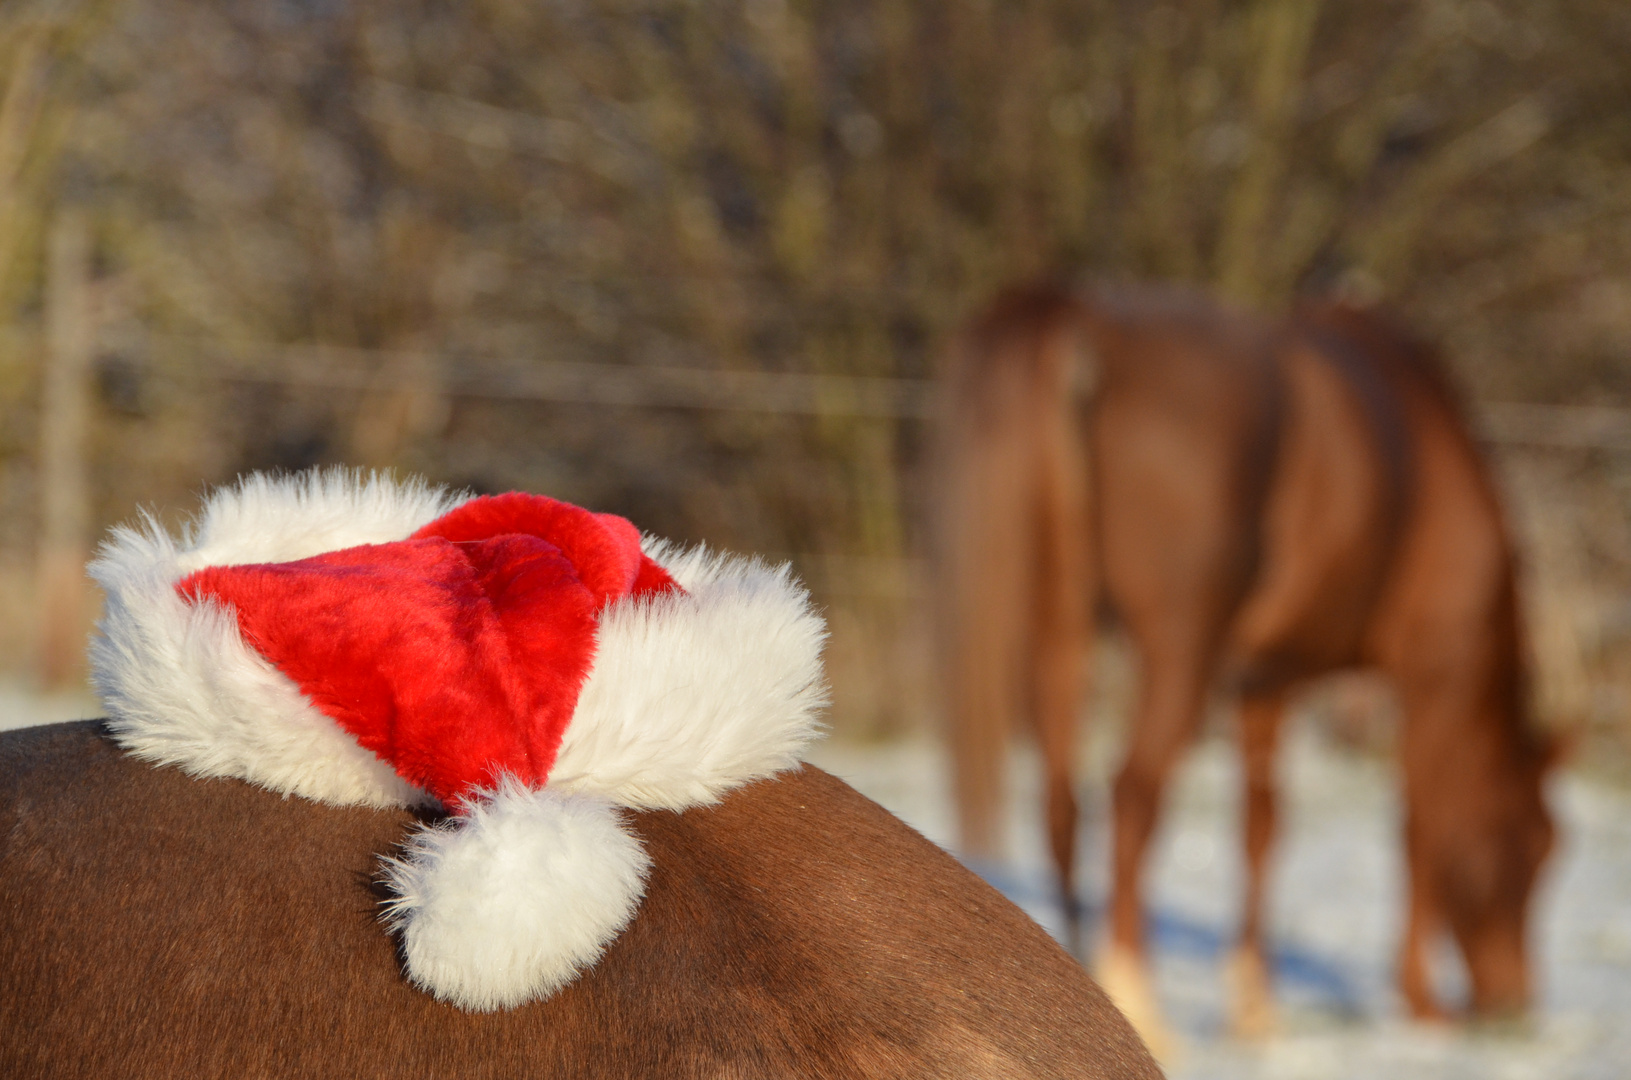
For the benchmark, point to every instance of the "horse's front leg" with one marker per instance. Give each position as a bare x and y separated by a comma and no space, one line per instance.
1421,928
1249,971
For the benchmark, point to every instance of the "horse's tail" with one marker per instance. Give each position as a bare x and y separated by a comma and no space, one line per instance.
1012,551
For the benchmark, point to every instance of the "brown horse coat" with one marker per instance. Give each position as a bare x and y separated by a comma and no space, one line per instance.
156,925
1260,503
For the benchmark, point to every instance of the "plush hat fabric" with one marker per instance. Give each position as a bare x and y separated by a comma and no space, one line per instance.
531,665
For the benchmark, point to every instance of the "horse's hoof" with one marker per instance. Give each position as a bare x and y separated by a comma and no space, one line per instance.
1429,1014
1251,995
1125,976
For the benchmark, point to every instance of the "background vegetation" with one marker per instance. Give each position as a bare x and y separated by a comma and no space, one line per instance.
691,260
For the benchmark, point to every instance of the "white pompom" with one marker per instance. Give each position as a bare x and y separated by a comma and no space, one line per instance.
520,892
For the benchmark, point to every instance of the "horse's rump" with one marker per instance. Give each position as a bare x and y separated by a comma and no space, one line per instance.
156,925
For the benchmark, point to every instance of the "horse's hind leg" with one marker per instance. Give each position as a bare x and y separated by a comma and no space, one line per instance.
1173,691
1250,983
1058,661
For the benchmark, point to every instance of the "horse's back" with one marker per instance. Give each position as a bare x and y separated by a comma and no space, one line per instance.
152,924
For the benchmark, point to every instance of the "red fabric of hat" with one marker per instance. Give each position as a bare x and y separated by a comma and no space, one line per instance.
456,655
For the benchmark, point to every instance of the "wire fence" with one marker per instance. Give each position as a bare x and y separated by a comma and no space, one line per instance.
516,378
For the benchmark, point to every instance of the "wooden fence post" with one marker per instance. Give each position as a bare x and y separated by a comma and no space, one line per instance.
63,592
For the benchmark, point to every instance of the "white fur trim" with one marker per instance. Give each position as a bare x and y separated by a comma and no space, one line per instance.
180,684
693,694
525,889
266,518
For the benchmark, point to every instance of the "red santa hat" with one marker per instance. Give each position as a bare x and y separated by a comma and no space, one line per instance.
530,665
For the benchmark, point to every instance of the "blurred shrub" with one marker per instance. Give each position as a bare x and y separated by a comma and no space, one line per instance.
339,230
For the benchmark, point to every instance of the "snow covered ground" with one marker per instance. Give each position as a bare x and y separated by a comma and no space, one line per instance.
22,707
1334,916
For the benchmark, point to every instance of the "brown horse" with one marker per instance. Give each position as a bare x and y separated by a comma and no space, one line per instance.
1259,504
157,925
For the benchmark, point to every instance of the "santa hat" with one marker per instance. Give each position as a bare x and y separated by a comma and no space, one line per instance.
532,666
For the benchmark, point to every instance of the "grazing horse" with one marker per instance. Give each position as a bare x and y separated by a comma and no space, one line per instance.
157,925
1259,504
